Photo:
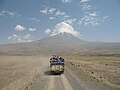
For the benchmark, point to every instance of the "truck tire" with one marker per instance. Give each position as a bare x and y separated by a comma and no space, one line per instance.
62,72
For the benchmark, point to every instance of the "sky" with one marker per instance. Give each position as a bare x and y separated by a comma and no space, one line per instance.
29,20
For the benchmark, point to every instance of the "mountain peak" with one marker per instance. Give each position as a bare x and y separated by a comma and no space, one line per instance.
62,38
63,33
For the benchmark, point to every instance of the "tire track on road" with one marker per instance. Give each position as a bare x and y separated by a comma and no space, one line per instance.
76,83
58,82
66,81
66,84
50,83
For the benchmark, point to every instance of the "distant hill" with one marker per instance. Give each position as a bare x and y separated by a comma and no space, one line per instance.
63,43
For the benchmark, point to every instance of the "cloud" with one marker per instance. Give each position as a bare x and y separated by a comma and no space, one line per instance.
48,10
89,19
9,13
64,27
47,31
66,1
18,39
13,37
92,19
94,14
58,13
84,1
44,11
32,29
70,21
52,11
91,16
27,36
66,16
34,19
20,28
22,40
86,6
52,18
105,18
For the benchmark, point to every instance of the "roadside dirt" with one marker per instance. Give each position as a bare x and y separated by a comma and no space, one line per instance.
99,73
20,72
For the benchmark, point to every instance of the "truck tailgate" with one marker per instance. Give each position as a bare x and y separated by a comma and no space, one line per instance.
57,68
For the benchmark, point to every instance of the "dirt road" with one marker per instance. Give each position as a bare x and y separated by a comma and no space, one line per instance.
32,73
66,81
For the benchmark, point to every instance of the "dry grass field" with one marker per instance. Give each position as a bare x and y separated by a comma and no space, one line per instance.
99,71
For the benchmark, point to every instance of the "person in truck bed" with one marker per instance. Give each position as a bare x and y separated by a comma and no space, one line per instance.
52,59
60,60
56,60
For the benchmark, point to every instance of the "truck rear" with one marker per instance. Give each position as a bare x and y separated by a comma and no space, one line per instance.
57,68
57,64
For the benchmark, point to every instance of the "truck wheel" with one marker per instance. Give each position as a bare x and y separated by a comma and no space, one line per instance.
62,72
